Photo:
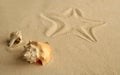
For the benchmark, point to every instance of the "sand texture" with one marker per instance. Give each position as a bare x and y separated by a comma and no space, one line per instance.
84,35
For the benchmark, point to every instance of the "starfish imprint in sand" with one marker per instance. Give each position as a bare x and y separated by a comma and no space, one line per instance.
71,21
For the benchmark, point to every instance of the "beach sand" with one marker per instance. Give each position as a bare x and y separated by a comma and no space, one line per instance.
84,35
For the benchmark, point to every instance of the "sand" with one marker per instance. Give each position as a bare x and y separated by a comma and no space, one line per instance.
84,35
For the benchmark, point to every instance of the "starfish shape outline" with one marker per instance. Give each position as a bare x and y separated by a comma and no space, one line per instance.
73,21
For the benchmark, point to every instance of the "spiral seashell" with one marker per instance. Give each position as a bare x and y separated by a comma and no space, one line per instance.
15,39
38,52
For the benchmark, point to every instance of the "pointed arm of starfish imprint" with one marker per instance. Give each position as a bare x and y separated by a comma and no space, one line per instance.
58,27
62,27
87,28
72,12
91,23
82,33
53,27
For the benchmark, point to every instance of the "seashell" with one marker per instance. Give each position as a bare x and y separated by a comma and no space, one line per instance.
38,52
15,39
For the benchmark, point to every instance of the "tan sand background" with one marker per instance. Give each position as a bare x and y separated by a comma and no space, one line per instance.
71,55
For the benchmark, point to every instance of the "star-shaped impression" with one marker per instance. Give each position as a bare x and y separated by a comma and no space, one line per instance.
72,21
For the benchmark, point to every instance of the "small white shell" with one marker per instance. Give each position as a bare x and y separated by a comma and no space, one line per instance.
15,39
38,52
